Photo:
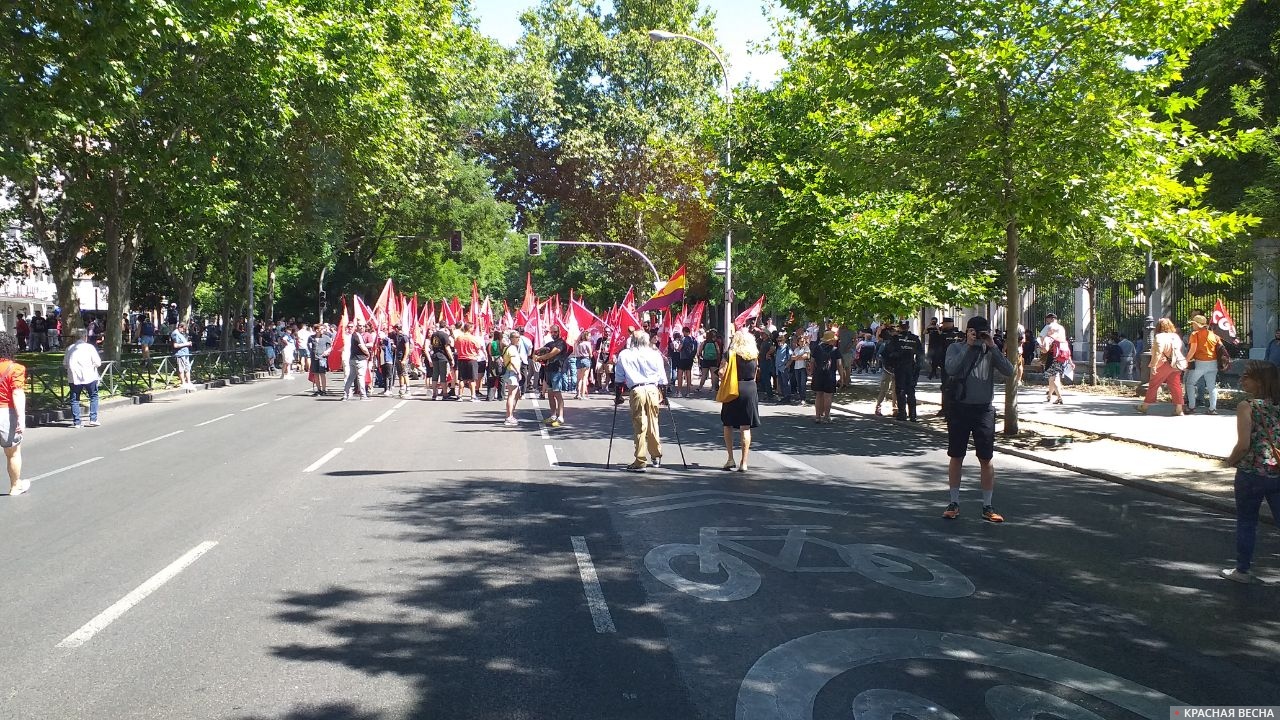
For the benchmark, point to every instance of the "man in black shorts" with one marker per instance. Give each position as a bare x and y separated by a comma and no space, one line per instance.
441,348
974,362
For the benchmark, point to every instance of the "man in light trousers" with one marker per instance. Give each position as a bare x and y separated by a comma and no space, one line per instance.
641,369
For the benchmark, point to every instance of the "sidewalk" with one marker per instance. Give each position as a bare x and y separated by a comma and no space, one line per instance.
1105,437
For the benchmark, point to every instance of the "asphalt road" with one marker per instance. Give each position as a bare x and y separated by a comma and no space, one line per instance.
439,565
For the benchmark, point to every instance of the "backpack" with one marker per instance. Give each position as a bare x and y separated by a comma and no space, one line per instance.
688,348
148,328
710,352
1177,359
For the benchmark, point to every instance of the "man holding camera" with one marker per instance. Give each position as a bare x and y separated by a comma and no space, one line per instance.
972,365
640,369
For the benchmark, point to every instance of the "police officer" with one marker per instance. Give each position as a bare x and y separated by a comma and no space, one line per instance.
903,353
948,335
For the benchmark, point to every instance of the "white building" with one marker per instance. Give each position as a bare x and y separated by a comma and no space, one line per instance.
33,289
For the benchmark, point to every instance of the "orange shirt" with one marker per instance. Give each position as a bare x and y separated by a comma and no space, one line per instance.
13,376
467,347
1206,342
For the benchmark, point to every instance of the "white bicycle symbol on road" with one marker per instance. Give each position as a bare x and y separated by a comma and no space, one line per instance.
894,567
784,683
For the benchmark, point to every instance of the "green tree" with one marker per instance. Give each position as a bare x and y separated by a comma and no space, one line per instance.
984,128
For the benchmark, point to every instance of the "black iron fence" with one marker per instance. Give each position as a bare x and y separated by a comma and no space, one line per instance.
1121,305
48,389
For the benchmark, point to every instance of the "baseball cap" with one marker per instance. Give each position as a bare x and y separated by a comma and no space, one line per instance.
948,319
979,323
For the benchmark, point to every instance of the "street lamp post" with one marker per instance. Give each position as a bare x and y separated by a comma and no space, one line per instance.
665,36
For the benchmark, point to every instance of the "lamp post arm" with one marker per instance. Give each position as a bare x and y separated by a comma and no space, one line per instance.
656,277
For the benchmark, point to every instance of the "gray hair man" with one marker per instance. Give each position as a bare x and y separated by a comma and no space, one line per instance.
641,370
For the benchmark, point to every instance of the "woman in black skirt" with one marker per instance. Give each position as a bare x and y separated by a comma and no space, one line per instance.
743,412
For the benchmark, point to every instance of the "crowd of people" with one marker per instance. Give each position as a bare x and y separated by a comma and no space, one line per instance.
761,361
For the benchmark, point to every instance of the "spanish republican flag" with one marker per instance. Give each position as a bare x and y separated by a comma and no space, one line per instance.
670,294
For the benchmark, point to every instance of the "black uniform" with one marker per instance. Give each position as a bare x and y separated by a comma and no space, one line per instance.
903,353
946,338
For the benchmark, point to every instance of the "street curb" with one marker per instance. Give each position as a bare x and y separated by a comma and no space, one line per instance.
47,417
1175,493
1118,438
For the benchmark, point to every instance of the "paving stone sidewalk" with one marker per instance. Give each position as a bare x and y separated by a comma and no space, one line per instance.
1179,457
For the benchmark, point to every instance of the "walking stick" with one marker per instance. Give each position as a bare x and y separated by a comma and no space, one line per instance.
609,458
672,414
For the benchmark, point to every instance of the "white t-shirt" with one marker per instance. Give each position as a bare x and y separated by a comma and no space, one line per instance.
303,336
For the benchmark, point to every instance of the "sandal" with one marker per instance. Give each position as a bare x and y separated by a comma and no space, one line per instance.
729,465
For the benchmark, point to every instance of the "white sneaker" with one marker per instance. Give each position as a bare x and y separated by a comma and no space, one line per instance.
510,422
22,488
93,423
1243,577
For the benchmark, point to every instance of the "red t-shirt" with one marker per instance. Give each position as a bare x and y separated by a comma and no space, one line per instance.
467,347
13,376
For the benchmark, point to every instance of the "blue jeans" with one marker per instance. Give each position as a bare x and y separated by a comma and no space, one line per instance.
800,382
92,389
1208,371
784,385
1251,490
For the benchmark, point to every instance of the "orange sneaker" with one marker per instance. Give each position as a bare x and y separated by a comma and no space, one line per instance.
990,515
952,511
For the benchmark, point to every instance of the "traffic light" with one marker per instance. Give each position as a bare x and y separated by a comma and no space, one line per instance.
455,241
535,244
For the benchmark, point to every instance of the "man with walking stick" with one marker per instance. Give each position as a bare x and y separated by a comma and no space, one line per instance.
641,369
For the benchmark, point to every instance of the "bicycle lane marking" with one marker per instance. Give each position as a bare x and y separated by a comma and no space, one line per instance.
600,616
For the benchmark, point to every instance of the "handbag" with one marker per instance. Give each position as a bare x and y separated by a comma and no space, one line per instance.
729,385
1224,358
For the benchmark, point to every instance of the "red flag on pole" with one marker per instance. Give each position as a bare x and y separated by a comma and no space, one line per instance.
1223,324
629,302
750,313
530,302
336,353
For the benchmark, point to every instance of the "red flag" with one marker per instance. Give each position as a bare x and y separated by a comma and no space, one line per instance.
1223,324
629,302
336,353
752,312
530,300
625,323
694,321
428,318
382,308
664,331
362,311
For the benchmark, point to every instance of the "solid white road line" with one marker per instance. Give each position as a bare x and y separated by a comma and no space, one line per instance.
111,614
551,455
359,432
400,404
64,469
253,407
148,442
206,422
542,429
790,462
323,459
384,415
591,585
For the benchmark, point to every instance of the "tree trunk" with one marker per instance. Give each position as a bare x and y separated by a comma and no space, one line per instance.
270,304
61,252
122,254
1013,298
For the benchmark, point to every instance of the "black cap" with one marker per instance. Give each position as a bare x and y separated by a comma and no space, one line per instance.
1051,315
979,323
904,325
948,319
